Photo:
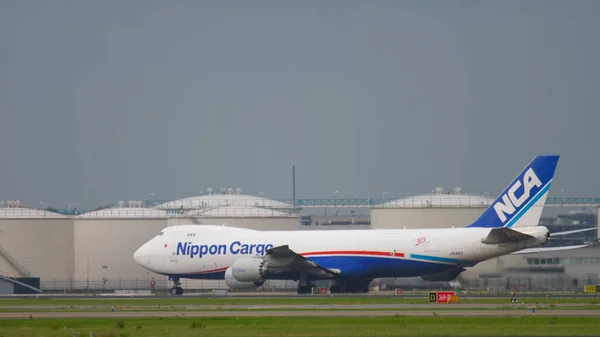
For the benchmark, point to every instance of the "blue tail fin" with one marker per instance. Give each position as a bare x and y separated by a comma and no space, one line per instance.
521,203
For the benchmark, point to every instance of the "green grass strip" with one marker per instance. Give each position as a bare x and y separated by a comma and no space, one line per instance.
306,326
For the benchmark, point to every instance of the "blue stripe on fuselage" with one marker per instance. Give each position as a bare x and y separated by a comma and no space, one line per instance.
368,266
375,267
443,260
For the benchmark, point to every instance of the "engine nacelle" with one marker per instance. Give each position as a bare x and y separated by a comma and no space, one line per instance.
235,284
249,269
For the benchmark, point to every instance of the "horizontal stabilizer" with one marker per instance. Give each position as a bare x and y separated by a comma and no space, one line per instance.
505,235
548,249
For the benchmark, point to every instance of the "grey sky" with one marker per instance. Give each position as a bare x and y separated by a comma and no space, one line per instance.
173,97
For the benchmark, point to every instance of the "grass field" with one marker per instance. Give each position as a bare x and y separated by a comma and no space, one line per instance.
305,326
272,301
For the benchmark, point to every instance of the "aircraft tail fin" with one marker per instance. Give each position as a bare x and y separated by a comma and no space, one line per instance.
522,202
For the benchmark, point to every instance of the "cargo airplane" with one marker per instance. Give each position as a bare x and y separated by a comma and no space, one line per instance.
353,258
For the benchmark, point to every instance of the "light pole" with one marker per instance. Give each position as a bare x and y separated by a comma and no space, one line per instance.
43,203
147,194
73,204
68,207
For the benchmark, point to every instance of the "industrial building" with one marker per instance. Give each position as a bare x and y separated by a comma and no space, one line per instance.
36,243
560,270
93,251
104,243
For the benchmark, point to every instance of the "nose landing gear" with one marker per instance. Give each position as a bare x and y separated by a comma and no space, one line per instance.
177,289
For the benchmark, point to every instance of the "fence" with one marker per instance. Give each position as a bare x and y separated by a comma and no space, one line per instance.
470,200
132,213
110,285
497,285
532,283
157,207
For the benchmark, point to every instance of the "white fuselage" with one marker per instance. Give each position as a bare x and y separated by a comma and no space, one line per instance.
205,252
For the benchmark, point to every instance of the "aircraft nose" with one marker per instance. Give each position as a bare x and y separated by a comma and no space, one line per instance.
139,255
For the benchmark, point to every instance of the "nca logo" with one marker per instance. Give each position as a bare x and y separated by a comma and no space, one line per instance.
510,202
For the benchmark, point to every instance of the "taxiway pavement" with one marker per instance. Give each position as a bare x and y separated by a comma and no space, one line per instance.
311,313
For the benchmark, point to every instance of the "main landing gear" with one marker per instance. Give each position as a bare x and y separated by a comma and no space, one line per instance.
305,289
177,289
349,288
341,286
304,285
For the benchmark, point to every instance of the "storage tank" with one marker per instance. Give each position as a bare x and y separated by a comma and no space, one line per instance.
105,241
232,208
36,243
227,197
239,216
431,210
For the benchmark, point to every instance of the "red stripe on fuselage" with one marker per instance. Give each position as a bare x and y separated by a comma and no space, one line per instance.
354,252
211,271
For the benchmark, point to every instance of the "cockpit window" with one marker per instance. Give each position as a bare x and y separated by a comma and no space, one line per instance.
161,233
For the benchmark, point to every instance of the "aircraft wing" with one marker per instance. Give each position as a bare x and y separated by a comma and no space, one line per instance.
507,235
552,249
573,231
547,249
285,260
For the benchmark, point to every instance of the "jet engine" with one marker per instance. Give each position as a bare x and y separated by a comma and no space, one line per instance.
249,269
235,284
